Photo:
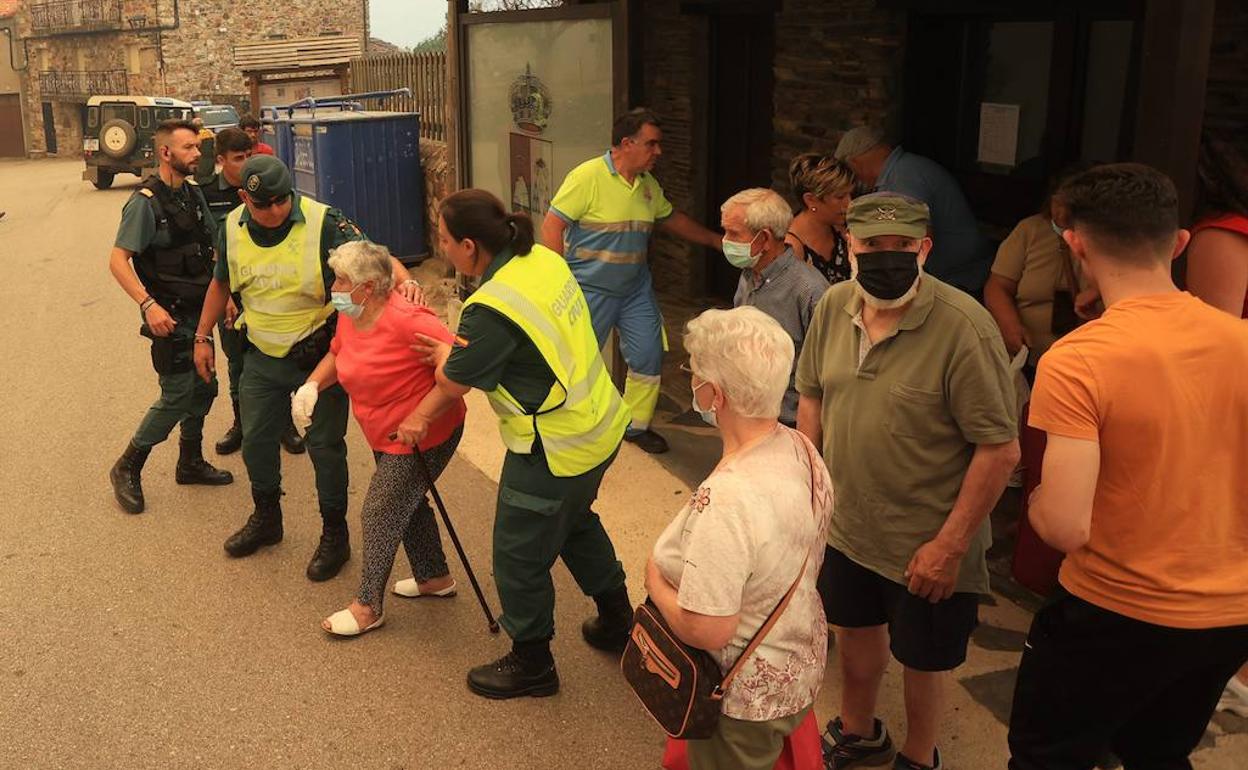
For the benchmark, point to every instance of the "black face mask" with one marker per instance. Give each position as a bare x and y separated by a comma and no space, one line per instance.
887,275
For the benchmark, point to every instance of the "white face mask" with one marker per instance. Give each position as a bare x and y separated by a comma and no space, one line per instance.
708,415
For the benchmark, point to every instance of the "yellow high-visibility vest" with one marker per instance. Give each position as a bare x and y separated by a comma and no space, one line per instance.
582,419
282,286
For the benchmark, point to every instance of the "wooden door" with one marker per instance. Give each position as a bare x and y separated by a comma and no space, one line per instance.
12,142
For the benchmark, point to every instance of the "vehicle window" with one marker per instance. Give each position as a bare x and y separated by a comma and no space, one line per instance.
145,118
218,116
117,112
161,114
93,117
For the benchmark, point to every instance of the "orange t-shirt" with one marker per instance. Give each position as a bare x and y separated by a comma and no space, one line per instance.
1161,382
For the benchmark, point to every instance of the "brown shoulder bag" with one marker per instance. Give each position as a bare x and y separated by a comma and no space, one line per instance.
680,686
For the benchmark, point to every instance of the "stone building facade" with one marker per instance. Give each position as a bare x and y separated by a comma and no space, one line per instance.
177,48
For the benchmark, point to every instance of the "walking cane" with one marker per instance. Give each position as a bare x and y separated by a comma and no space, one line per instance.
450,530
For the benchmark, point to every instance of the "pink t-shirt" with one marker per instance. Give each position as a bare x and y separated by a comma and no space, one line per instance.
385,379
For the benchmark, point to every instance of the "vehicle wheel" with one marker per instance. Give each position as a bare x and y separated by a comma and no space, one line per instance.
103,180
118,139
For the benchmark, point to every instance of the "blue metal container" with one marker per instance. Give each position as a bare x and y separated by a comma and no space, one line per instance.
368,165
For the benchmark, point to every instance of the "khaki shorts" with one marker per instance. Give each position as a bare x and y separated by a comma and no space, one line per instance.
741,745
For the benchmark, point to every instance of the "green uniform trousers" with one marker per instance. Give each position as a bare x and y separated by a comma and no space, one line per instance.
264,404
184,397
541,517
738,744
233,345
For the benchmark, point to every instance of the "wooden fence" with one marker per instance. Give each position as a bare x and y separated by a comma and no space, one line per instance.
423,73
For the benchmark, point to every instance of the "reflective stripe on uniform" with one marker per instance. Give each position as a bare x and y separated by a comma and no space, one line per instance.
612,257
582,418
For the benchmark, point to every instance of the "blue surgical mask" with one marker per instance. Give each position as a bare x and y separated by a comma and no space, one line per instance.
1056,229
707,415
342,302
739,255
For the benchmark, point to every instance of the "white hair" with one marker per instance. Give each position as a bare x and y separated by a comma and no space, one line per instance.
361,261
746,353
764,210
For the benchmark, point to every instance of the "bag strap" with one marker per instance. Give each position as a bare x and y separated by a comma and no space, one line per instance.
774,617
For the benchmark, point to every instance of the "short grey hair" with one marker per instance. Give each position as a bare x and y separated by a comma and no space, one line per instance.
746,353
362,261
858,140
764,210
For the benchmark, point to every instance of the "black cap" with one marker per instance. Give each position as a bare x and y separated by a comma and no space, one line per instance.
265,178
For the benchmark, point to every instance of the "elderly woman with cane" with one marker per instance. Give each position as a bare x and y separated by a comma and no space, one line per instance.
525,338
749,538
371,356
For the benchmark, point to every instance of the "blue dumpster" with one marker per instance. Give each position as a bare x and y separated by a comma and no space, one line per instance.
366,163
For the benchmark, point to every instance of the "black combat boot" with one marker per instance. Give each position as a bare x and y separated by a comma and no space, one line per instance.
529,669
194,469
232,441
127,486
608,630
334,549
263,527
292,441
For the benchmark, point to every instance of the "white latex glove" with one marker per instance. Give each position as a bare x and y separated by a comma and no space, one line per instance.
303,403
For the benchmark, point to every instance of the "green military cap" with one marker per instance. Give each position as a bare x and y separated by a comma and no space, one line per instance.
887,213
265,178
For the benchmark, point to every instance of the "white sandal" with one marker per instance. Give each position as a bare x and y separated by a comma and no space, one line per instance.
343,623
411,589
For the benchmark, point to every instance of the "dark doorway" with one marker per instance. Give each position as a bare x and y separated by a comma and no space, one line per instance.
1057,82
739,104
12,144
49,128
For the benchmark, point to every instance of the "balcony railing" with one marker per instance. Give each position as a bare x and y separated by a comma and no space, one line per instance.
76,15
78,86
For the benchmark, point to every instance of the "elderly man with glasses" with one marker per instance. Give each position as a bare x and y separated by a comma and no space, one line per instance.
273,257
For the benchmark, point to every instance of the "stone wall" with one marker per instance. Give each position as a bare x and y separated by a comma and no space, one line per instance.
837,65
196,50
435,160
670,42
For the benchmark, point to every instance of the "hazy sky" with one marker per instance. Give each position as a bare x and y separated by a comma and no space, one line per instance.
406,22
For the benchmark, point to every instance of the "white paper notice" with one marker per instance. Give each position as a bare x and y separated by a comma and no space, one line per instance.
998,133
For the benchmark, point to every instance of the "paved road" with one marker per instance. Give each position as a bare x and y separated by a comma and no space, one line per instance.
133,641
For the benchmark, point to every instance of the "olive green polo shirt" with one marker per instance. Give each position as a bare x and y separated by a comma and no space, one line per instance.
899,430
137,229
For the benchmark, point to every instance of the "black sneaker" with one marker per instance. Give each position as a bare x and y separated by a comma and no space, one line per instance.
902,762
648,440
511,676
842,750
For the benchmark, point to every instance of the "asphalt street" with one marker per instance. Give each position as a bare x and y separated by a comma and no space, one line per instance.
135,642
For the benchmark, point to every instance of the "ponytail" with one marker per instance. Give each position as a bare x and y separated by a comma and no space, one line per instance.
478,215
521,233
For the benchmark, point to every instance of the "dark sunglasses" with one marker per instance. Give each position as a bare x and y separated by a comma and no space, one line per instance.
271,202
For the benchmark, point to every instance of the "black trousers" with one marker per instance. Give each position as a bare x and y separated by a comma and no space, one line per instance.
1092,680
